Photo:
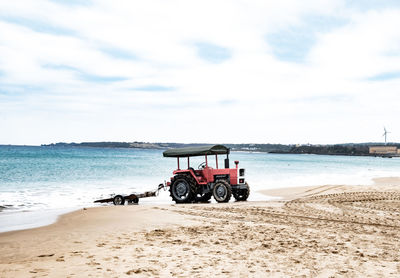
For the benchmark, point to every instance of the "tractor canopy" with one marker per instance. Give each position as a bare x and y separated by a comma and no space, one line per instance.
196,151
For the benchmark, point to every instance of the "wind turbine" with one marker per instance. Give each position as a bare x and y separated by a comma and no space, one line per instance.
385,134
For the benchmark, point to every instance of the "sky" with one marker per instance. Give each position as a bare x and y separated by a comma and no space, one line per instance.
237,71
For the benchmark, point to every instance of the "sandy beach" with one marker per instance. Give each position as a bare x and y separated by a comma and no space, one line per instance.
320,231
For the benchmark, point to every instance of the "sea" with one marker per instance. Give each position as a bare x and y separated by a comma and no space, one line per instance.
39,183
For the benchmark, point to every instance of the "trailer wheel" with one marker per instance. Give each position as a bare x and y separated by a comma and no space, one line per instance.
222,191
242,194
182,189
119,200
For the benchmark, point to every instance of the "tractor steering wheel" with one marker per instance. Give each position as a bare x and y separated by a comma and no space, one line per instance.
202,166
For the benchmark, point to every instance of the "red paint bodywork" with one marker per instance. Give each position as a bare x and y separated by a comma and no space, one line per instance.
207,175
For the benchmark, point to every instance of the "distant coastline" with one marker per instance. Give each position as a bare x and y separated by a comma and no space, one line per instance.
162,146
348,149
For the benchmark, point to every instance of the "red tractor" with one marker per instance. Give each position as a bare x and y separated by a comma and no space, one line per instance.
190,185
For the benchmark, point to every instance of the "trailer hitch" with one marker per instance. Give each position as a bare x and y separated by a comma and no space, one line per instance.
161,186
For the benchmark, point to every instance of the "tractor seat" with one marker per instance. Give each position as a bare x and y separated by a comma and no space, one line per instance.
194,171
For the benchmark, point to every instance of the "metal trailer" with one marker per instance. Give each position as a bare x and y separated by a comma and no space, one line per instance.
119,199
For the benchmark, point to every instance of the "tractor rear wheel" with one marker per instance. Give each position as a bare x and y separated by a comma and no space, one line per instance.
182,189
203,198
242,194
222,191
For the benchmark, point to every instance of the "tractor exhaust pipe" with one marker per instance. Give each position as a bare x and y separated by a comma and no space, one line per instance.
227,161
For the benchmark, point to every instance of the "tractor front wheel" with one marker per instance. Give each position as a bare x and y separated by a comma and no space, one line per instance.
242,194
182,189
222,191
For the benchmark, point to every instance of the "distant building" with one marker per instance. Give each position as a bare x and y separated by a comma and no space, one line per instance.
384,150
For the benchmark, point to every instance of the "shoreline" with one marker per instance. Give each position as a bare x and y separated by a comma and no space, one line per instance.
303,233
37,219
25,220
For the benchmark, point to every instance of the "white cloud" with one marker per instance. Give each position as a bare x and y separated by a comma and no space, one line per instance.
72,72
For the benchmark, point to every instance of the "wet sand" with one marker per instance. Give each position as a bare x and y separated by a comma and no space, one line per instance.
323,231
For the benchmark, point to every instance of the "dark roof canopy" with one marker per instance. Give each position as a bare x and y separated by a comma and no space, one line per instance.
196,151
